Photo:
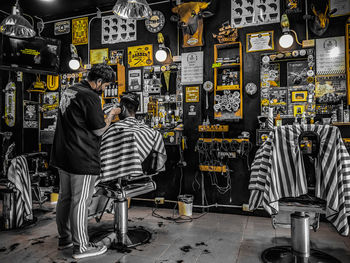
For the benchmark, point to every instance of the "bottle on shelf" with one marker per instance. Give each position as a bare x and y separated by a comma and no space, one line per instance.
278,120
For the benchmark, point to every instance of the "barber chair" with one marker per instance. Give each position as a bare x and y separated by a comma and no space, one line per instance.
301,214
119,191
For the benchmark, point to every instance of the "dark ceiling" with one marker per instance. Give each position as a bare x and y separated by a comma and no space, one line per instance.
56,9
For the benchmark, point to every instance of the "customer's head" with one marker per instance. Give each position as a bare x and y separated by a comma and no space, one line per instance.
129,103
100,76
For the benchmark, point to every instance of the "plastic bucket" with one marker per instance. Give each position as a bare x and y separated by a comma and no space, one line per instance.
185,203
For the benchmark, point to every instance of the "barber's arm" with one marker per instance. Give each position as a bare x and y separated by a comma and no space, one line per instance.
108,121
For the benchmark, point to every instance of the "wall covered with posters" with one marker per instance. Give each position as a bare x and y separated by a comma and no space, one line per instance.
194,111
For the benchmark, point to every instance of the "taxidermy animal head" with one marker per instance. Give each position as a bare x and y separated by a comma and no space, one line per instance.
189,16
321,20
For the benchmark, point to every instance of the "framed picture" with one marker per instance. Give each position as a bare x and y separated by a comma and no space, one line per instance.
298,110
260,41
140,110
297,73
116,56
30,114
261,136
98,55
299,96
134,80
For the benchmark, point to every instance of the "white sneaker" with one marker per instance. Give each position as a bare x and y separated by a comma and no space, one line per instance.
91,251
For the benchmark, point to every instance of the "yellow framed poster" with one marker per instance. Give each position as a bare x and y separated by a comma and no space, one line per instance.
80,31
298,96
298,110
140,56
192,94
260,41
98,55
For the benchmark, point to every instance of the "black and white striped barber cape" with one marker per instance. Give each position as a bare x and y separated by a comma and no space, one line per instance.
18,174
278,172
125,145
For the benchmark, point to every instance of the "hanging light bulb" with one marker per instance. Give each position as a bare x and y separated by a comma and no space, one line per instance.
15,25
132,9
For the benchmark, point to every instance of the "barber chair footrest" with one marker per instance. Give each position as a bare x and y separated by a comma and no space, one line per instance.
136,236
284,254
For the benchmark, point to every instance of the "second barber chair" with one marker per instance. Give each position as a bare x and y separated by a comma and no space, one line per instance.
301,214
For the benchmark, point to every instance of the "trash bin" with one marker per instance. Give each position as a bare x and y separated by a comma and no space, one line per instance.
185,203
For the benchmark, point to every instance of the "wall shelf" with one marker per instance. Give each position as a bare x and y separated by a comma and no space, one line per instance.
224,74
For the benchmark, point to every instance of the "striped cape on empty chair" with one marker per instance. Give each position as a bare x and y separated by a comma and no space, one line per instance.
278,172
18,175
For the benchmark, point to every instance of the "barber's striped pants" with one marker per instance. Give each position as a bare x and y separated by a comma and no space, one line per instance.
72,208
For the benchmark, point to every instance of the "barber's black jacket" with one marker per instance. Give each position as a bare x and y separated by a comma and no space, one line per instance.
76,149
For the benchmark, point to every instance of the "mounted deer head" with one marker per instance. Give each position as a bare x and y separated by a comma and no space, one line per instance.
190,18
321,21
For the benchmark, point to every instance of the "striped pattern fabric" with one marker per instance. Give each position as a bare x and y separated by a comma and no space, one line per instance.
278,172
125,145
18,174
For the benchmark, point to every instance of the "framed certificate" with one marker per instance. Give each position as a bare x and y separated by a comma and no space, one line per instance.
260,41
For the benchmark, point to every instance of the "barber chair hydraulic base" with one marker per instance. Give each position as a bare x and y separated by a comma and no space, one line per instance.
127,237
300,251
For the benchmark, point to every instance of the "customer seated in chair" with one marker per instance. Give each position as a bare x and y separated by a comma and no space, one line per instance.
127,143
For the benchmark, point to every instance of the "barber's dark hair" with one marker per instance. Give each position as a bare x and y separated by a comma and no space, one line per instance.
101,71
131,101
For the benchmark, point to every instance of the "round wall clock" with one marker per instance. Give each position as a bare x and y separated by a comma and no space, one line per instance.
156,22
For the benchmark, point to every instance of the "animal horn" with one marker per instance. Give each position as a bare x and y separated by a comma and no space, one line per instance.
314,10
325,12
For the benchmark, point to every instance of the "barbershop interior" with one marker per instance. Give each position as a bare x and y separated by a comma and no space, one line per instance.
175,131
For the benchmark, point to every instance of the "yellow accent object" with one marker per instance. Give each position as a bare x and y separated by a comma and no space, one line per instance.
52,82
160,38
167,78
53,197
219,169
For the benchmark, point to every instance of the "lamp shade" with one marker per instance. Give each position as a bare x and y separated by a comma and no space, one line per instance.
74,63
132,9
16,25
161,55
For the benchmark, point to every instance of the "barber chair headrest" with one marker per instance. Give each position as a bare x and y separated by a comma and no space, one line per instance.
309,143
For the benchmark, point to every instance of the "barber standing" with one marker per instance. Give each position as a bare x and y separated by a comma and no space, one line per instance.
76,154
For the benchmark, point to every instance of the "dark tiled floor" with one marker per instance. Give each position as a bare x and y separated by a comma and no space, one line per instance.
219,238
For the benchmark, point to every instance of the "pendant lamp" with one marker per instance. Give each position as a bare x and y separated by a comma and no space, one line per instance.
132,9
15,25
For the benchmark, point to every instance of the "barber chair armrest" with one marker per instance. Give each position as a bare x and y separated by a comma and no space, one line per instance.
139,177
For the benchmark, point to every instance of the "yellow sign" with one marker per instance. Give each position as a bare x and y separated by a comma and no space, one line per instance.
140,56
98,55
80,31
192,94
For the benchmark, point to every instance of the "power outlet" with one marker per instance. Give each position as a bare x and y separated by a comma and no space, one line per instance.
159,200
245,207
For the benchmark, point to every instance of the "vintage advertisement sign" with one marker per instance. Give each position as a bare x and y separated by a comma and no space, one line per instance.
80,31
330,56
192,94
98,55
192,68
140,56
62,27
